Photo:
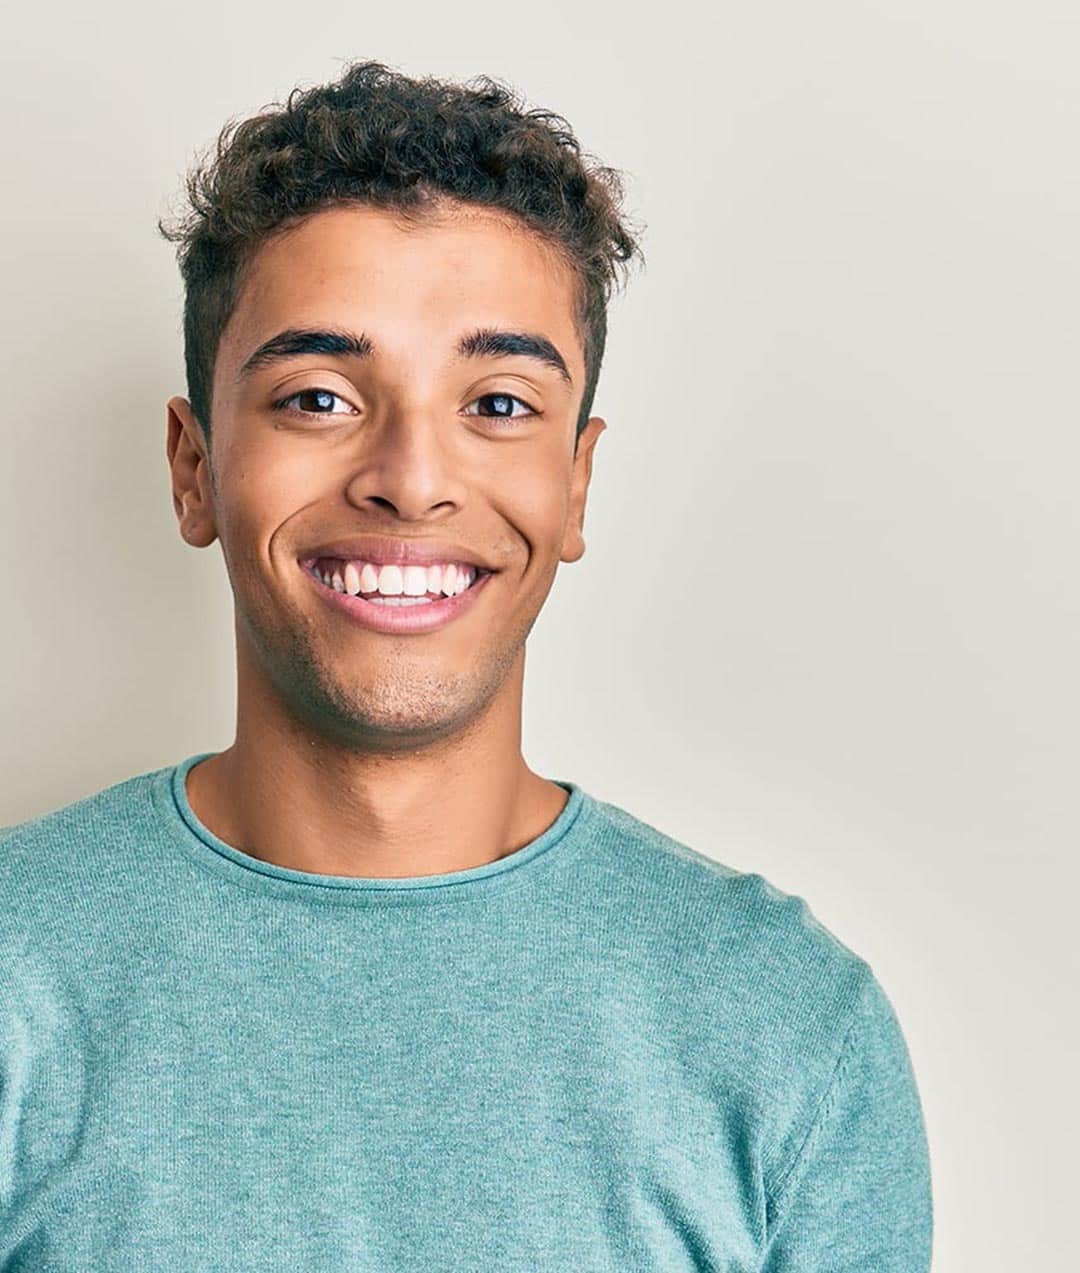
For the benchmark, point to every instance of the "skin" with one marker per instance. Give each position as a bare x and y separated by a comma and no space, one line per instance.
356,752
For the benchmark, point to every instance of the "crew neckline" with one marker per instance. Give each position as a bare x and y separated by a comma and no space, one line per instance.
224,859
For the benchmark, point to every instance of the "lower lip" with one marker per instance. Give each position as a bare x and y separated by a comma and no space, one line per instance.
425,617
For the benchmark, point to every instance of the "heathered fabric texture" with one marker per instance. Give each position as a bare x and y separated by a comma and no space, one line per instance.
603,1052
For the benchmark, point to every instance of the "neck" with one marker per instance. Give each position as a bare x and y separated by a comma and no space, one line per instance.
290,796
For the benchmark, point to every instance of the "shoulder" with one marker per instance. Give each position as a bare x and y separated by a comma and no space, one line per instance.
733,915
778,1005
60,860
751,964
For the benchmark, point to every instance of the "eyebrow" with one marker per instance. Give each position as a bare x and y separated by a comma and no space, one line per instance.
482,342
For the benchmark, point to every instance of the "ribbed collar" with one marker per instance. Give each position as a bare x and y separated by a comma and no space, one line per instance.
566,833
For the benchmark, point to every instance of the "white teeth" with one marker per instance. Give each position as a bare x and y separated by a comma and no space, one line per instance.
391,583
456,579
412,581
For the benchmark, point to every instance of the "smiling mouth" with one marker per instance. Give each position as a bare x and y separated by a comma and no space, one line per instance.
406,608
394,585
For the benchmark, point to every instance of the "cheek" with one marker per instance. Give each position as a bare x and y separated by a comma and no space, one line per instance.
284,480
533,496
265,486
256,499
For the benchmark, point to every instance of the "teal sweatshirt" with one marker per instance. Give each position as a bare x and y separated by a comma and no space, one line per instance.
603,1052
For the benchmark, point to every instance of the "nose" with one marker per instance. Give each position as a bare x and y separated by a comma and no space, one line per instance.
409,465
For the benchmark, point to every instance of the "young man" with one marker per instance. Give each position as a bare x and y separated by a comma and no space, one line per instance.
363,991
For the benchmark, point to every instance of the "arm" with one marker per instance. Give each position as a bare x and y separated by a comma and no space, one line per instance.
856,1196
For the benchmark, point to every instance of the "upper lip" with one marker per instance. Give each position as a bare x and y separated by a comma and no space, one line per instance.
385,550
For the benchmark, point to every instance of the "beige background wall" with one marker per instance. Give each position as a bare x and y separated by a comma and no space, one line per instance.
827,624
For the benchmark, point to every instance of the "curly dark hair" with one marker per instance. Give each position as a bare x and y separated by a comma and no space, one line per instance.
380,138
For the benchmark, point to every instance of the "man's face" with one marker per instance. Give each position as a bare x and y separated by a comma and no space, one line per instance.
411,441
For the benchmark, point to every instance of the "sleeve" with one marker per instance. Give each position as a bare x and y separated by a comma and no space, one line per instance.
856,1198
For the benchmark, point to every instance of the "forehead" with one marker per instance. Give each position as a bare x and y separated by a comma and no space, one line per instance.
411,287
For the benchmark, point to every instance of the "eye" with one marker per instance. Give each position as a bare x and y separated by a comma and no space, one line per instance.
503,410
319,398
322,396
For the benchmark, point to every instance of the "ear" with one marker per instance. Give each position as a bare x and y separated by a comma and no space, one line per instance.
573,546
189,464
